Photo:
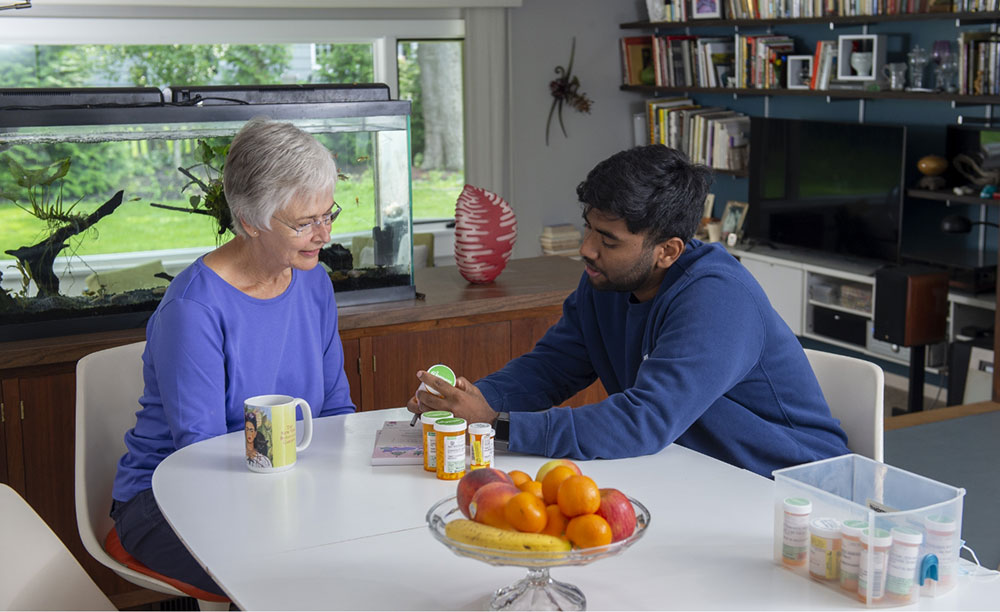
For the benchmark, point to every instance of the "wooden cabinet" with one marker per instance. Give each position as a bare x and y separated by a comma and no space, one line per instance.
472,351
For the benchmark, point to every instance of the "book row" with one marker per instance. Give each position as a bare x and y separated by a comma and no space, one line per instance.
978,63
710,135
674,11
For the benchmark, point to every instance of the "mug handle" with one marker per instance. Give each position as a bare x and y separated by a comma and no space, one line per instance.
307,424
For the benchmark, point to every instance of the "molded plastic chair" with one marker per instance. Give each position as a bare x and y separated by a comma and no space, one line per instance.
854,389
37,571
108,387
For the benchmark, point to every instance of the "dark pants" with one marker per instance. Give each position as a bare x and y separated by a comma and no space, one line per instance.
147,536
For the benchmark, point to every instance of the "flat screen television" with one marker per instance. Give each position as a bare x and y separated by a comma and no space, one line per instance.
827,186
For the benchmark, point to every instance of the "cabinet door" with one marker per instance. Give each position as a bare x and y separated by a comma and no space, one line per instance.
783,286
524,333
48,430
352,368
472,351
10,440
4,409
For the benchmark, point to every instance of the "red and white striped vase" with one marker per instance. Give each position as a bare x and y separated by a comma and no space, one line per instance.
485,231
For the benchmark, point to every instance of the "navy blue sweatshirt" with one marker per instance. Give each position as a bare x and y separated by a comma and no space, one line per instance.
707,363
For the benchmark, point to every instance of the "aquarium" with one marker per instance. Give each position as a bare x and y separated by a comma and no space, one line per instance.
108,193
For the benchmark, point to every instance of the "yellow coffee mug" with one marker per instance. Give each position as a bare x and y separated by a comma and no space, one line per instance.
269,428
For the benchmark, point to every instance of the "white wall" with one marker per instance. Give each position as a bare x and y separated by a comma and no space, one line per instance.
544,179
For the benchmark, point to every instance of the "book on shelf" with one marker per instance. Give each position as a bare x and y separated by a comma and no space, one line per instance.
560,239
713,51
654,117
396,443
637,54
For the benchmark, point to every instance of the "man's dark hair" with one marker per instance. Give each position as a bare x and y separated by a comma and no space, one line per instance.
654,189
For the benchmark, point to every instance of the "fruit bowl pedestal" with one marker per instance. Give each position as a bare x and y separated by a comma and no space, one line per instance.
536,591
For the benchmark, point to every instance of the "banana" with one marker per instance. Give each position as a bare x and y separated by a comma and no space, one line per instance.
487,536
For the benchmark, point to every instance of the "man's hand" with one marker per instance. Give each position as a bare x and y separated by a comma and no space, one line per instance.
463,400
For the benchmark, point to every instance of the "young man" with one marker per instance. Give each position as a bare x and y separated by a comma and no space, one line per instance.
682,337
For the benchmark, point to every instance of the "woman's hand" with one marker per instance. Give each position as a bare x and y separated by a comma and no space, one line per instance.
464,400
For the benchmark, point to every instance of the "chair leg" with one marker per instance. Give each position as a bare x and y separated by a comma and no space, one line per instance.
213,606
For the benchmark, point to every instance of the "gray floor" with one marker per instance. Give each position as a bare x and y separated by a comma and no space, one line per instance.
962,452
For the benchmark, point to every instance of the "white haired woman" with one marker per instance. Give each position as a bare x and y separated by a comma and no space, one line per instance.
255,316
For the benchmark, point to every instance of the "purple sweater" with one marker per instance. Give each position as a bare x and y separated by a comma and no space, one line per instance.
707,363
211,346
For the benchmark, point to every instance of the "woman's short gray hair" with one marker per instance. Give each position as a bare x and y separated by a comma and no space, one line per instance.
269,164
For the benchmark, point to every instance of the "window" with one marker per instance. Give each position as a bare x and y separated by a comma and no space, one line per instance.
428,72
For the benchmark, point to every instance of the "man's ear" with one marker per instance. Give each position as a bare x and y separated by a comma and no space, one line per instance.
668,251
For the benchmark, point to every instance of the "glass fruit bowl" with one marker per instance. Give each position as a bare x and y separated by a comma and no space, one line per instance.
537,591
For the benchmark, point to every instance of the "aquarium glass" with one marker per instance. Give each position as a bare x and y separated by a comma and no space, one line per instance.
62,181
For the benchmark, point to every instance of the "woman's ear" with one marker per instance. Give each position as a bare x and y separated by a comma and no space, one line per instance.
249,229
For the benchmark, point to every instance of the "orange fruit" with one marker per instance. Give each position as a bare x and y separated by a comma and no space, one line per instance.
588,530
556,525
518,477
578,495
526,512
555,477
532,486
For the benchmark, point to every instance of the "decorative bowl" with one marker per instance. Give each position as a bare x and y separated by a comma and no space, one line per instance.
537,591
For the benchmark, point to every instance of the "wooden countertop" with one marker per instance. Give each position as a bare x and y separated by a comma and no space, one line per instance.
525,283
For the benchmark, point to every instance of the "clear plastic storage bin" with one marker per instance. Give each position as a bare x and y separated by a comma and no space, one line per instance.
902,534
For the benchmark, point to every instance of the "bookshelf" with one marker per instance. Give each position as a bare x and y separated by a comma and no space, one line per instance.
925,110
846,94
960,18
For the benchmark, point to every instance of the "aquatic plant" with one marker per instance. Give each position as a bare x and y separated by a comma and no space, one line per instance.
42,188
212,199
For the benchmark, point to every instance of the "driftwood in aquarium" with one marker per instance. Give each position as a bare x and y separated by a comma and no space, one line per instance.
40,258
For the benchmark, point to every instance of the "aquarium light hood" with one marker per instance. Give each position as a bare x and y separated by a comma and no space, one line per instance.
93,114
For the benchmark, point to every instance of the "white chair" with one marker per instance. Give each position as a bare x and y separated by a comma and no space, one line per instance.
854,389
108,387
37,571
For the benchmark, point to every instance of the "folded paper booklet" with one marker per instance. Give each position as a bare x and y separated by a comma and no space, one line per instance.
398,444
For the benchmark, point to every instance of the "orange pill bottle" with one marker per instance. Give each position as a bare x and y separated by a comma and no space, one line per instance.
427,420
450,441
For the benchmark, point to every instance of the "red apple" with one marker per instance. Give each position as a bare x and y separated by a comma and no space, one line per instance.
472,481
617,510
487,505
547,466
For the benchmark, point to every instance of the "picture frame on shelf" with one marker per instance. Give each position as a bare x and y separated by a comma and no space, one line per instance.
799,71
732,218
706,9
860,57
655,10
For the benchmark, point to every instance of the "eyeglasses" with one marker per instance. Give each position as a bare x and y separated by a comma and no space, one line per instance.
310,227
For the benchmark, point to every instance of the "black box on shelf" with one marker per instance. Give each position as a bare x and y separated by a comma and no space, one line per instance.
838,325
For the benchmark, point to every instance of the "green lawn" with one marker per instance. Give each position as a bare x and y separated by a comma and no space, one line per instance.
137,226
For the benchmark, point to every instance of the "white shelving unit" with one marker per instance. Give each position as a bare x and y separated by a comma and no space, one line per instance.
833,300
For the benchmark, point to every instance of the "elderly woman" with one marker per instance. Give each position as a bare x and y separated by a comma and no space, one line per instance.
255,316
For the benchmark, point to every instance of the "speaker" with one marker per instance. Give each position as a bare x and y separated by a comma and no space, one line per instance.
911,305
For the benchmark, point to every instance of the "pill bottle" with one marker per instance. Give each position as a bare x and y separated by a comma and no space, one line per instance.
824,548
427,420
942,542
441,371
795,531
875,544
450,433
850,553
480,446
900,582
